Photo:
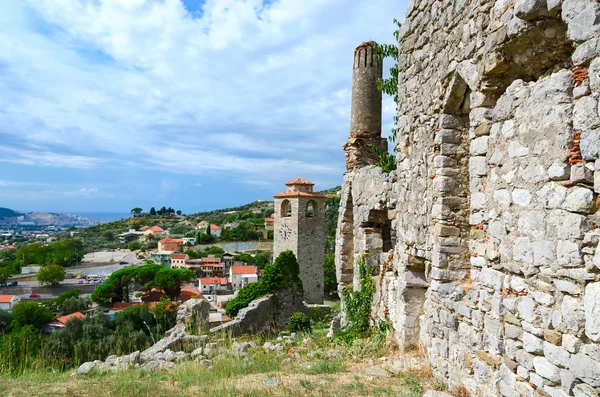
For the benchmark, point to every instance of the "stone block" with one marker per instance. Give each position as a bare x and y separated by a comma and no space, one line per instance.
556,355
529,9
479,146
586,51
580,173
585,24
568,254
590,139
546,369
523,250
566,380
524,358
532,344
594,76
543,252
551,195
516,149
478,166
559,171
579,199
571,343
567,286
583,390
586,369
591,306
553,336
521,197
573,313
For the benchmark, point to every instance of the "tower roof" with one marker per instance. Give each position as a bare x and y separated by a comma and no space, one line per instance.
299,181
299,194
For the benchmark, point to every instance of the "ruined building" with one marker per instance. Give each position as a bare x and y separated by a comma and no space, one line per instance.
300,227
484,241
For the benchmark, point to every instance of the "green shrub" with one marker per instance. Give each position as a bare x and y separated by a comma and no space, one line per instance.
299,322
282,273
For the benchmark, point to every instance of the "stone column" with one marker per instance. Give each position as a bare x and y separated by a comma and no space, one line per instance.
365,119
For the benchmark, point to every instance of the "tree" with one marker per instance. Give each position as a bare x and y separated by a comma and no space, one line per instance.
170,280
208,229
179,212
330,280
136,211
4,275
261,259
152,211
72,305
31,313
5,319
51,274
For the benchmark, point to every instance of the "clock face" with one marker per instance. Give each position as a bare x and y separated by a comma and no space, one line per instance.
285,232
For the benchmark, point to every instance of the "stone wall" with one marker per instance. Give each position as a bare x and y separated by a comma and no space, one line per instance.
266,314
484,239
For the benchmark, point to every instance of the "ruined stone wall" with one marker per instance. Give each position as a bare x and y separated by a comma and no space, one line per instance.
492,268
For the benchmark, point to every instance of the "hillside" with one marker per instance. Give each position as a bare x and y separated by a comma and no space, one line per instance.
8,213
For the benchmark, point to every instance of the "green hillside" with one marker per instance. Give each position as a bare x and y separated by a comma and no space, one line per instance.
8,213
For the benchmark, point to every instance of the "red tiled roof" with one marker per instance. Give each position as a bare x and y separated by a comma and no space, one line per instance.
225,318
171,240
299,194
243,270
157,229
124,305
214,227
188,293
178,256
144,228
270,219
211,260
64,319
6,298
299,181
213,280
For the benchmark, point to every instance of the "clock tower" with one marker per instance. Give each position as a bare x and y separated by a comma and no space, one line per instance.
300,227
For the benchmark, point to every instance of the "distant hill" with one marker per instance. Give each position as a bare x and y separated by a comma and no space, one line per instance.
8,213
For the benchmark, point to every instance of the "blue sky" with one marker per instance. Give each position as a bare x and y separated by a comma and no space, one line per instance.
111,104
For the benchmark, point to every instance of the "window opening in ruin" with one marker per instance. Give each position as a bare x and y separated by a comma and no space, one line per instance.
311,209
286,209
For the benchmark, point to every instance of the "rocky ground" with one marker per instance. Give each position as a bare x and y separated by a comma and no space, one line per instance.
285,364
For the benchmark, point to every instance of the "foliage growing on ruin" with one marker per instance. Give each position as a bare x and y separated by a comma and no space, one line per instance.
283,273
387,161
358,306
389,86
299,322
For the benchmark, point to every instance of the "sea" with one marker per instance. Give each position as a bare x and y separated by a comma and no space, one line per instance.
103,217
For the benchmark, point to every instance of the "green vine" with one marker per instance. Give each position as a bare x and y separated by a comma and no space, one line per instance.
389,86
358,306
387,161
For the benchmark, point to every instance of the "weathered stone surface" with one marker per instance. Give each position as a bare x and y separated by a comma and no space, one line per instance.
592,311
492,202
86,368
546,369
586,369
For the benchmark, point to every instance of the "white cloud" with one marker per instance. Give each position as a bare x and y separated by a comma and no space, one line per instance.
84,192
247,88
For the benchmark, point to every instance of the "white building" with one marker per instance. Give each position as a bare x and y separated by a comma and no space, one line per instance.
189,241
240,276
8,302
208,285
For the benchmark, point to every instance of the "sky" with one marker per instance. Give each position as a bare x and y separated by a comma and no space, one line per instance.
107,105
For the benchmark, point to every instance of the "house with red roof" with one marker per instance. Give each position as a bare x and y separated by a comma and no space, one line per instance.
8,302
155,231
170,244
178,261
209,285
60,322
240,276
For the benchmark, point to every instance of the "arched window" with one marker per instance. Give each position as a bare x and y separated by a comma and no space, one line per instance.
286,208
311,209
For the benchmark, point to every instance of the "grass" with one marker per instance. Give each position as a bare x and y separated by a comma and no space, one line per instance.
315,367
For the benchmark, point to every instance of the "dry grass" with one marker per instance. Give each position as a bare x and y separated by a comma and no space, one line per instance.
304,370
